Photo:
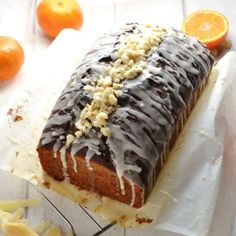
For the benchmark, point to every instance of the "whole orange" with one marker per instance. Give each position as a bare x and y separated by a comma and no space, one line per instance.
55,15
11,57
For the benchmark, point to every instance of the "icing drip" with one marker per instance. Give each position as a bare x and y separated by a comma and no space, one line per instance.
91,152
63,160
121,167
74,163
92,146
69,140
133,193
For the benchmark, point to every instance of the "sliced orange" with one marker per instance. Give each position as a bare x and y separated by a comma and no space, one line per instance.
210,27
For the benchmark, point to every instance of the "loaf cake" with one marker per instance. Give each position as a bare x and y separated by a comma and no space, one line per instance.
122,110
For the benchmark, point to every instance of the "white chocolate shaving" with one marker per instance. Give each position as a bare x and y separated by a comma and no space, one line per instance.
133,193
12,205
12,222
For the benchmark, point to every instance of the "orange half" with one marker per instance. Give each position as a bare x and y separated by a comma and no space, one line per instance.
210,27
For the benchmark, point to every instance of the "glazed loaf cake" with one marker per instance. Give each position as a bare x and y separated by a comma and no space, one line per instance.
122,110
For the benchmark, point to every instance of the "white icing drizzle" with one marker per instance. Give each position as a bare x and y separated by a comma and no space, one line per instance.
62,151
88,157
63,160
133,193
75,166
130,62
69,140
120,177
121,167
92,145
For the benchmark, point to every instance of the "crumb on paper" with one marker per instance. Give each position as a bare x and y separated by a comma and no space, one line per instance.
143,220
123,217
18,118
33,176
14,114
46,184
16,111
84,201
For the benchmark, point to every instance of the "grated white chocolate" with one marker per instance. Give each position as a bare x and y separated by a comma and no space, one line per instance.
69,139
129,64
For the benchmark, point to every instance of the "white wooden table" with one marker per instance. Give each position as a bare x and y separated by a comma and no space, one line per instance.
17,19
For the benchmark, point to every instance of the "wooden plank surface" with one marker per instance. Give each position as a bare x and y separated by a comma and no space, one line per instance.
81,222
98,18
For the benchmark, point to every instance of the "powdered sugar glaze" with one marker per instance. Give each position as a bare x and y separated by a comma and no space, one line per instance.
147,110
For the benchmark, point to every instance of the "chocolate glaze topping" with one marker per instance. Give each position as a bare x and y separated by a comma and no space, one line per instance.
147,110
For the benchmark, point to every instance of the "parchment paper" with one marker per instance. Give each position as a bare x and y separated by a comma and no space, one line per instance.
195,193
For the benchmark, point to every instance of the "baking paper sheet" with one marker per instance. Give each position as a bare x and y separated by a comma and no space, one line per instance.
195,193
